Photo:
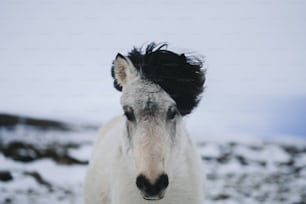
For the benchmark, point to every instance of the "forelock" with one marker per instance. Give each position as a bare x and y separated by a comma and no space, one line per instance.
182,77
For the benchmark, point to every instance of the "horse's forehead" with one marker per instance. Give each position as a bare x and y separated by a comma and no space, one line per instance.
146,87
147,95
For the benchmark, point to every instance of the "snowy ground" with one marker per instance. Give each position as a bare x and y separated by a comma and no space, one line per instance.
48,166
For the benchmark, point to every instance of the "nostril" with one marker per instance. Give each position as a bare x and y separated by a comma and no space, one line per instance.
163,181
140,182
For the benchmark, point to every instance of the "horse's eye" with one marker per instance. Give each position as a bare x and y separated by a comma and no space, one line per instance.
171,113
129,114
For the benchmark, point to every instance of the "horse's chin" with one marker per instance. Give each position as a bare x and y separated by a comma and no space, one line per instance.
153,198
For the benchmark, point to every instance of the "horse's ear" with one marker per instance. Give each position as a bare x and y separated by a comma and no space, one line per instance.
123,70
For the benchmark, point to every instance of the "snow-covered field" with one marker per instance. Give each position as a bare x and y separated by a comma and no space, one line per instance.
48,166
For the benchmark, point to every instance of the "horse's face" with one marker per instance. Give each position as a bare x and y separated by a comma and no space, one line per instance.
152,122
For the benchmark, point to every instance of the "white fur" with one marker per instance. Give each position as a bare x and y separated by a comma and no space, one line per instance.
109,181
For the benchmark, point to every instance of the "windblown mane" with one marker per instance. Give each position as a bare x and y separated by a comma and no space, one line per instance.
180,76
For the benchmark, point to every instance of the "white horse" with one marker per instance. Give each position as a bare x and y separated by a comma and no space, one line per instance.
146,156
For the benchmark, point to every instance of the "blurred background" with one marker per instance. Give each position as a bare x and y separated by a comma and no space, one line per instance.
56,91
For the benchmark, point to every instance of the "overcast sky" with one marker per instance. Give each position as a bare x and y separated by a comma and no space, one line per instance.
55,59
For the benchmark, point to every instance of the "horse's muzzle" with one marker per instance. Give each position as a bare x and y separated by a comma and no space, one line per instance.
152,191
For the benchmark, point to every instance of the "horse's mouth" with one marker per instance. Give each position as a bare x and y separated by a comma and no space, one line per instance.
153,198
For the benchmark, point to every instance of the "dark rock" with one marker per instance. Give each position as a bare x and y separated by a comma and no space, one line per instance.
262,163
297,170
294,150
206,158
7,200
62,157
242,160
8,120
289,163
255,148
20,152
5,176
221,197
38,178
27,153
224,158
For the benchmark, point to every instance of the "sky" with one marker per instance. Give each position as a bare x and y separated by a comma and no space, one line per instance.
55,59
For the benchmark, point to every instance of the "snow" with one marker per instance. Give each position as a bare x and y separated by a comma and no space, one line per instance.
210,150
66,182
43,138
301,160
236,172
274,153
82,153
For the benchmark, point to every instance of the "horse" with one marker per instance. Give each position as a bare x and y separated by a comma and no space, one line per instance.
146,156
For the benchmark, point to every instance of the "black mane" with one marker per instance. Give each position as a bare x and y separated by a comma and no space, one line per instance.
180,76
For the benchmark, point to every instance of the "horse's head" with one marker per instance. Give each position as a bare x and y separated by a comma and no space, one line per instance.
158,88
